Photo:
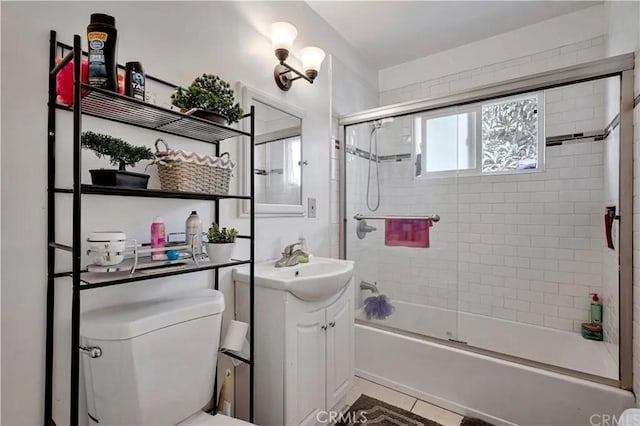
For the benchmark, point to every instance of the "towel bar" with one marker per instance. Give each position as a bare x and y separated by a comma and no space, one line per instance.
433,217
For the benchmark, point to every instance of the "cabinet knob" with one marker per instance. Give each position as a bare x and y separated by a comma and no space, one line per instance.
332,324
324,327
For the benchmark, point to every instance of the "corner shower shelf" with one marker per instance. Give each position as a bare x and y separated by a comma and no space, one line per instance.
117,108
112,106
149,193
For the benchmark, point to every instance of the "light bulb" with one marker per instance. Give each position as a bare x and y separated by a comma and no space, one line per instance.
282,36
312,58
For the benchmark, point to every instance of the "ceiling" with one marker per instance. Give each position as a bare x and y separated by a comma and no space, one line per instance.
388,33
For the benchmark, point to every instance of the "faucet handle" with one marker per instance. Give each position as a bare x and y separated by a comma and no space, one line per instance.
289,249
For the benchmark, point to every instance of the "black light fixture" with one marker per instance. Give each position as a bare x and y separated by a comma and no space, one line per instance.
282,36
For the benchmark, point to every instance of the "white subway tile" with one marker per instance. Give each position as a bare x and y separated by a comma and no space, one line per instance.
530,186
558,300
558,277
544,287
504,271
517,262
573,313
541,308
530,274
575,220
518,219
558,323
508,314
545,219
532,252
571,290
492,198
544,241
548,196
505,292
505,187
530,296
559,231
516,305
530,318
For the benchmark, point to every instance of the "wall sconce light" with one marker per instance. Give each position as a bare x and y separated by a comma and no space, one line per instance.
282,36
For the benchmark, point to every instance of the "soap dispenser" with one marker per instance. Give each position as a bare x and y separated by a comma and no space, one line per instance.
596,309
303,243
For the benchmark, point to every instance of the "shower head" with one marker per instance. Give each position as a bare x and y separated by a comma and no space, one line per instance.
383,122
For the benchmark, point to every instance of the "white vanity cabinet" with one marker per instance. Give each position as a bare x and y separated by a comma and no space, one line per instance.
304,354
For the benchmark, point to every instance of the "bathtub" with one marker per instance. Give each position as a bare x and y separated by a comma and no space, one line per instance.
500,391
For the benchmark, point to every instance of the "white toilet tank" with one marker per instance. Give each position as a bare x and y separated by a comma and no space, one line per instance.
158,359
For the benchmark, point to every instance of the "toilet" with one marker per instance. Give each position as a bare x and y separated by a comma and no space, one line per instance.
157,361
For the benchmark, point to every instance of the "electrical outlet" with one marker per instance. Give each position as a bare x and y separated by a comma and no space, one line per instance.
311,207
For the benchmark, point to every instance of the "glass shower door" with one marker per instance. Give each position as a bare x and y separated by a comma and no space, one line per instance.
533,244
416,268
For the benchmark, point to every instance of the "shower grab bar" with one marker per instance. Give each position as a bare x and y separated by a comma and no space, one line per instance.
433,217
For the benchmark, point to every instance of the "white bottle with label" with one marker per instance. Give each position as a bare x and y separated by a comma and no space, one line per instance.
193,232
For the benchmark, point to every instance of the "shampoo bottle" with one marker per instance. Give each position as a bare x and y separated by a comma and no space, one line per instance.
103,47
158,239
596,309
134,83
193,232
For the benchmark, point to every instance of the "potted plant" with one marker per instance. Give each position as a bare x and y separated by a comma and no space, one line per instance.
208,97
120,154
220,242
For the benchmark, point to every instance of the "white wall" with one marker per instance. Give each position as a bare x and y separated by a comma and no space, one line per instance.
473,76
507,48
175,41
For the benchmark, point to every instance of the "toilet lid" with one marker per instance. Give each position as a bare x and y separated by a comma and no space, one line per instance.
127,321
204,419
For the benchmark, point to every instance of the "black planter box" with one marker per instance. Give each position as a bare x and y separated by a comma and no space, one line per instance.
209,115
112,177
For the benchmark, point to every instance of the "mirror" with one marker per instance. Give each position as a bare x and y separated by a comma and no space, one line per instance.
278,156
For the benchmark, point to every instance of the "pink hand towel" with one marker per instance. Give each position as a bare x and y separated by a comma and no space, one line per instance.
407,232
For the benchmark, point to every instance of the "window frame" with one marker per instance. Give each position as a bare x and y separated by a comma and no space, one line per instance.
477,109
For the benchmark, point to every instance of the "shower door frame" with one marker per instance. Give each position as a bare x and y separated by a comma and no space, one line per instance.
621,66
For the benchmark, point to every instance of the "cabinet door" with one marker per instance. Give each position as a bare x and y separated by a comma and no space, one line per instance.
339,348
305,366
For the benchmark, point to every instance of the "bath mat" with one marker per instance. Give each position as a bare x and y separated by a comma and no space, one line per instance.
381,414
471,421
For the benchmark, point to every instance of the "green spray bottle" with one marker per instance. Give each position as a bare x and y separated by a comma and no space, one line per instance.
595,314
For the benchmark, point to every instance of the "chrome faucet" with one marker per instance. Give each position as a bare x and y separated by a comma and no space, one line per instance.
364,285
290,255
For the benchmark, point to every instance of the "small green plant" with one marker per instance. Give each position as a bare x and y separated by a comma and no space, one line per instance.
219,235
210,93
120,153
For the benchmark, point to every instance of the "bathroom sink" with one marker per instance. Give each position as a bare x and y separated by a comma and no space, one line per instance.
317,280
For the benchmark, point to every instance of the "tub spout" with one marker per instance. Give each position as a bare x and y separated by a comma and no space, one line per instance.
364,285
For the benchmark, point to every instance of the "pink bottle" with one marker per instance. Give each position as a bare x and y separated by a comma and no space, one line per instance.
158,239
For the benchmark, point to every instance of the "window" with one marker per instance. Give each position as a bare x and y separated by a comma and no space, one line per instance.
491,137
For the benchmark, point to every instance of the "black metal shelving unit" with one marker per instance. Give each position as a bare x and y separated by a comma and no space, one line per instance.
111,106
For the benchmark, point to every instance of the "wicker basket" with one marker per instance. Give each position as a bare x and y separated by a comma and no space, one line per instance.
183,171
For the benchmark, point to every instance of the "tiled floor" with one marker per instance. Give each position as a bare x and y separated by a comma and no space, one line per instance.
393,397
